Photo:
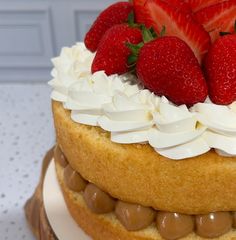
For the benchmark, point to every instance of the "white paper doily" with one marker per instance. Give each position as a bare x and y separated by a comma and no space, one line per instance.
58,215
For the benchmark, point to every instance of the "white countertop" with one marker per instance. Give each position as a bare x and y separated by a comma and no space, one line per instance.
26,133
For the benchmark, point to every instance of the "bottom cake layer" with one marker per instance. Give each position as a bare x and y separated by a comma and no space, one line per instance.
107,226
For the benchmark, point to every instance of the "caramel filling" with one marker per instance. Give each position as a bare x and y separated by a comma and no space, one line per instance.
234,220
97,200
73,179
60,157
214,224
135,217
173,226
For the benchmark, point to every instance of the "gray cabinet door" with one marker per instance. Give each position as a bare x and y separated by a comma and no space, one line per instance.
33,31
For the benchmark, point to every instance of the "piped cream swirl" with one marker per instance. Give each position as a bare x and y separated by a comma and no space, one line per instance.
135,115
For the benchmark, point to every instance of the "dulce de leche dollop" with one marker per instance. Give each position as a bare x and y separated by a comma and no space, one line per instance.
73,180
60,157
173,226
134,217
97,200
213,224
234,219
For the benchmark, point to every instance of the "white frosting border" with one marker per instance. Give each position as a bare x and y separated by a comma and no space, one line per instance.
135,115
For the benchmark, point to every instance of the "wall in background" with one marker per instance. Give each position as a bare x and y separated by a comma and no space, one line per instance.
33,31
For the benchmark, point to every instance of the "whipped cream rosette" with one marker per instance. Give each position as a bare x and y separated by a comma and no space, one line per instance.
221,125
177,134
72,64
129,118
135,115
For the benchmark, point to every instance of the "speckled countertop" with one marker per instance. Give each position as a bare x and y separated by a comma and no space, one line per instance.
26,133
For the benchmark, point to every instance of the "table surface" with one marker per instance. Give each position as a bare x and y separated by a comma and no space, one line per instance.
26,133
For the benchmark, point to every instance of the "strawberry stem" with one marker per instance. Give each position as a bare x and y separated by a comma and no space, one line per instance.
147,34
135,48
133,57
131,20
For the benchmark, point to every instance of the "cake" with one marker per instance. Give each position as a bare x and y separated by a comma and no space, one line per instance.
135,159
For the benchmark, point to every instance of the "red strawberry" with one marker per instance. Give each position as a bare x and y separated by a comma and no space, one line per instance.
115,14
196,5
142,13
220,66
218,18
178,4
112,54
158,13
167,66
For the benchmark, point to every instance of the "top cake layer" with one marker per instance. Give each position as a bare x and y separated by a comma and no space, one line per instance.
137,174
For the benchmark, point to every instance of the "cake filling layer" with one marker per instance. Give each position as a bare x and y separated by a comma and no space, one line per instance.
120,105
135,217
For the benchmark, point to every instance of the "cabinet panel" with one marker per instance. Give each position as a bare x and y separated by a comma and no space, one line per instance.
32,32
14,40
26,37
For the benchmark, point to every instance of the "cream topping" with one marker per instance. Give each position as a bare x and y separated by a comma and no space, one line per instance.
131,114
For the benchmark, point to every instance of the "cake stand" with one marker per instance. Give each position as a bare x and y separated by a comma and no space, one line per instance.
46,211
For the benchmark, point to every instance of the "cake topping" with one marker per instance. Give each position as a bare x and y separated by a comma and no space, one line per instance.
173,226
97,200
220,66
135,115
196,5
214,224
178,22
112,52
167,66
73,179
60,157
115,14
134,217
218,17
73,64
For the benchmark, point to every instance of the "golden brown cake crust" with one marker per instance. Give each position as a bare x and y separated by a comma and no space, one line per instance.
106,226
136,173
